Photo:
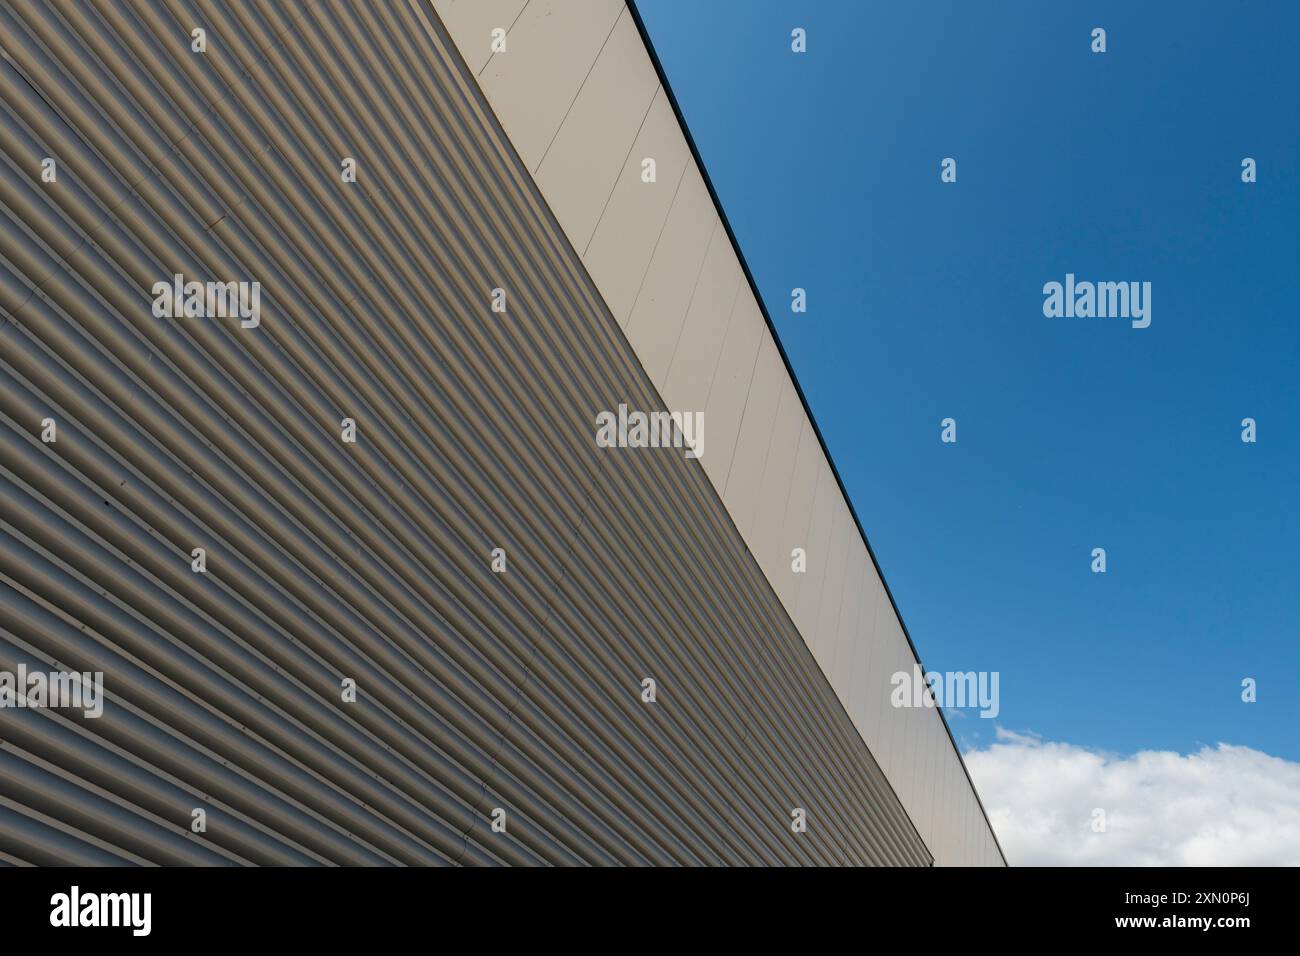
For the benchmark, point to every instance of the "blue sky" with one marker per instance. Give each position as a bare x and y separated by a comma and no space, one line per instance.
925,301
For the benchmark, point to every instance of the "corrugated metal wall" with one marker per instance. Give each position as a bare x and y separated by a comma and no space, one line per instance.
368,561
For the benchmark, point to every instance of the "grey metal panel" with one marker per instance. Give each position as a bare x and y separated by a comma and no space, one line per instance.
695,355
844,672
864,646
789,584
550,49
673,276
831,608
729,390
745,478
818,545
765,540
583,161
471,23
369,561
633,220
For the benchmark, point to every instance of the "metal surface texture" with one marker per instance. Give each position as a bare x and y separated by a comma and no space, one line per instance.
329,561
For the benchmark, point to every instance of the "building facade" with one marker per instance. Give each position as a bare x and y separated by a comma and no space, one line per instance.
414,465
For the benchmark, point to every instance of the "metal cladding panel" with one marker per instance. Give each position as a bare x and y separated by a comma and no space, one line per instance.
390,641
671,279
549,52
471,24
746,475
905,781
729,390
774,493
894,720
843,670
634,217
817,545
582,163
695,355
833,589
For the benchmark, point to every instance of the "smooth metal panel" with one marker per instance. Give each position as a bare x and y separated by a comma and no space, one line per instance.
745,477
583,162
820,528
695,359
632,223
729,390
774,493
873,596
826,622
927,765
549,52
913,719
947,833
673,276
471,22
798,516
886,742
843,673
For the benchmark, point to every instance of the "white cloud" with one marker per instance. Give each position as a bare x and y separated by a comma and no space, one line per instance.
1223,805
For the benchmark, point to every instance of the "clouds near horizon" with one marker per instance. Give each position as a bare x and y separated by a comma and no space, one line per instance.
1223,805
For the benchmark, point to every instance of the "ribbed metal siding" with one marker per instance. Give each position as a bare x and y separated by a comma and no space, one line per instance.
371,561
